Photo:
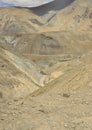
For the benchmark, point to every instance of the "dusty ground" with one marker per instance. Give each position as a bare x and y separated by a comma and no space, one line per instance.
63,104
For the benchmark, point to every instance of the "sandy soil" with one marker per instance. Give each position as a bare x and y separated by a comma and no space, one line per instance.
65,103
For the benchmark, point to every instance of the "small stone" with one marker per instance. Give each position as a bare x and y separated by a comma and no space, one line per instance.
2,119
67,95
1,95
41,110
2,66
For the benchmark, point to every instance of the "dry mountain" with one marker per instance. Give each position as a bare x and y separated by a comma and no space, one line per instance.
46,68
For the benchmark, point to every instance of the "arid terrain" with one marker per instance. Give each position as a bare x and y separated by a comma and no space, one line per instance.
46,68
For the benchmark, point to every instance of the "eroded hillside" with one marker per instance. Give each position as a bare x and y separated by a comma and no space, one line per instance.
46,68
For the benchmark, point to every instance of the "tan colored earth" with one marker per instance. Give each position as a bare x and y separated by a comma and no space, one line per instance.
46,68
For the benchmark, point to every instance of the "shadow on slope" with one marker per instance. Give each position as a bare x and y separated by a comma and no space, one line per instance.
53,6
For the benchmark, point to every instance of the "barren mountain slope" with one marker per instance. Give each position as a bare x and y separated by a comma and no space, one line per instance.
65,103
77,16
16,21
26,32
46,69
